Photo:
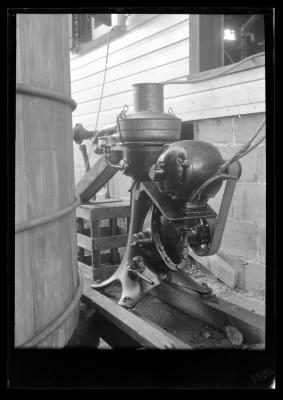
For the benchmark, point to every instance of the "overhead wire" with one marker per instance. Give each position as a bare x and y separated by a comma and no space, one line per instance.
244,150
102,90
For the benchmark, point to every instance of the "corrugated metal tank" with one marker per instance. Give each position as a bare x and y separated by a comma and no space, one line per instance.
47,284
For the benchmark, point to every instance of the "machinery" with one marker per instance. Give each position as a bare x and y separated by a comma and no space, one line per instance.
173,180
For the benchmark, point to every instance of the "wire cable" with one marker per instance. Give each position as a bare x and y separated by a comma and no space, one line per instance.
244,150
102,90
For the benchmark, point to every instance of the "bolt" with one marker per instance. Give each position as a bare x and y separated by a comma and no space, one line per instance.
163,276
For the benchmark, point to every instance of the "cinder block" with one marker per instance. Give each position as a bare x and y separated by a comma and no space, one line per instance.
255,277
245,127
215,130
238,264
262,244
249,203
239,239
253,164
215,202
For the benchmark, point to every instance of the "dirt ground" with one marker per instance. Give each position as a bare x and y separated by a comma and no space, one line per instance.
191,331
252,301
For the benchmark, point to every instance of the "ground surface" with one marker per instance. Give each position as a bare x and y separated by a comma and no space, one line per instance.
252,301
190,330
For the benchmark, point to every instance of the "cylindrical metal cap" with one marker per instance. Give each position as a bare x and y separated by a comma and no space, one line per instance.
148,97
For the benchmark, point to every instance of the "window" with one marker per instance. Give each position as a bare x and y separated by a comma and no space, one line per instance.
219,40
243,36
87,28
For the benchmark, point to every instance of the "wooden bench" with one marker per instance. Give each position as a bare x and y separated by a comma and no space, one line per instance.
94,236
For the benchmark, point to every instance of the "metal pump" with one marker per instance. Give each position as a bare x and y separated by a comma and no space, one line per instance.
173,180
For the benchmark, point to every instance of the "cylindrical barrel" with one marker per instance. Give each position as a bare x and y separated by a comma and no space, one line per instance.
47,284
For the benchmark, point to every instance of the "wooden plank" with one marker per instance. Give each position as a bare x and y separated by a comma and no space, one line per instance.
112,335
110,242
145,46
243,98
104,210
115,255
80,230
95,232
217,313
197,104
220,112
194,43
49,176
211,42
95,179
24,315
148,335
132,36
84,241
172,52
103,243
174,91
172,70
105,201
206,42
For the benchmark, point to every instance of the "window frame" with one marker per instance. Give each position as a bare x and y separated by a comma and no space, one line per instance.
101,38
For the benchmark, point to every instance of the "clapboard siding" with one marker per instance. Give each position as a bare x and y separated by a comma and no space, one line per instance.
135,33
176,69
175,51
164,38
237,92
174,92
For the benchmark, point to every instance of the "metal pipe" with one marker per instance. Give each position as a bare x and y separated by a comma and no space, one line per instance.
148,97
80,133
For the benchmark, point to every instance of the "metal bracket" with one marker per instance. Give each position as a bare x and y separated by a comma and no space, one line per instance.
170,209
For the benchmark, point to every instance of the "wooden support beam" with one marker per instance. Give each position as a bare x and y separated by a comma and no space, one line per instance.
97,177
217,313
104,210
102,243
147,334
206,42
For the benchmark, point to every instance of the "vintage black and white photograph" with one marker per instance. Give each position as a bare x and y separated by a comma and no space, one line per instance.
140,181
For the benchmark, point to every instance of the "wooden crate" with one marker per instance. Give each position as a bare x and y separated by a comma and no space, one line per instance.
99,235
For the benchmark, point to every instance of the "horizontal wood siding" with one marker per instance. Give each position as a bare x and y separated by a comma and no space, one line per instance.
154,48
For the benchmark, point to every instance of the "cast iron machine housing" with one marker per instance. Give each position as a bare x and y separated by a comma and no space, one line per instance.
173,180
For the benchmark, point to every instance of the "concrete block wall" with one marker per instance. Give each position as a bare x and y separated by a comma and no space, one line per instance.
243,243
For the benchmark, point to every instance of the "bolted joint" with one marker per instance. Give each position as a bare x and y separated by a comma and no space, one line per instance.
142,239
136,269
123,164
